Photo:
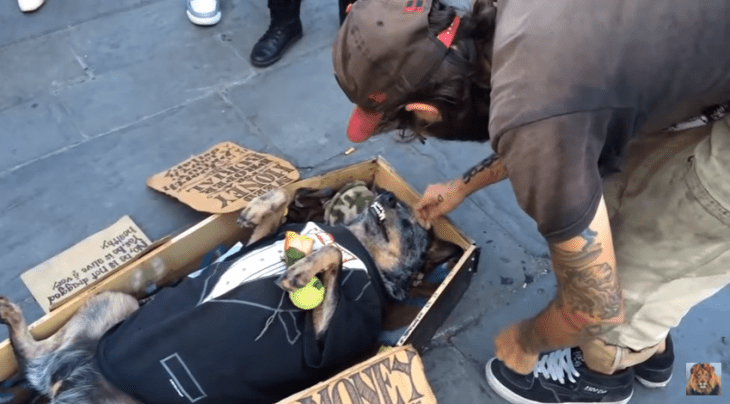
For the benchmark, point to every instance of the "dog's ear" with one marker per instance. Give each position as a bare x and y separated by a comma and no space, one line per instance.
440,251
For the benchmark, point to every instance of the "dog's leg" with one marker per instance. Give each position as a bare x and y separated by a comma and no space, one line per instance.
25,347
322,314
327,260
100,313
264,214
93,319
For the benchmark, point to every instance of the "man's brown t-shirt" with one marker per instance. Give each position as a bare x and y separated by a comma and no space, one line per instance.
574,81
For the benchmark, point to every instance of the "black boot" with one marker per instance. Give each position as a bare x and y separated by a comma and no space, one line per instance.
285,28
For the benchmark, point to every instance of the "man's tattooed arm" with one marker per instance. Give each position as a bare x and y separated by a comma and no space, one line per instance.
481,166
486,172
589,294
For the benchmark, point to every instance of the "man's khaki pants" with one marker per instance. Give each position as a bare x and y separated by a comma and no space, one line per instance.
670,218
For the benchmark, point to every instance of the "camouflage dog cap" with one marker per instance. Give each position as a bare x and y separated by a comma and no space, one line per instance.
352,199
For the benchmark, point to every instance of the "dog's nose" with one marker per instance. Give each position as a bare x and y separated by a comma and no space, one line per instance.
388,200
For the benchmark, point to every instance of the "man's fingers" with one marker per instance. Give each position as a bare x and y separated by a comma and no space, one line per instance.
432,211
426,199
427,202
425,213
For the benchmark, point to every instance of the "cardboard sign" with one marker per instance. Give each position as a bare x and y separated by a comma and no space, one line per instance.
224,178
86,263
396,376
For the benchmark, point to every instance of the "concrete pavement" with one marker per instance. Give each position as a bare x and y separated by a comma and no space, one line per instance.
97,96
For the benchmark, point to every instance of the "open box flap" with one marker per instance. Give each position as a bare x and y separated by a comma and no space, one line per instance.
393,376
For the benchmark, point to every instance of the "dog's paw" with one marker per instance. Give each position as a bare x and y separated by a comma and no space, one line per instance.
9,312
324,260
293,280
262,208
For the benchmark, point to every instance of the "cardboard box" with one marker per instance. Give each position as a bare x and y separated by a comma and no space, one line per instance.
182,254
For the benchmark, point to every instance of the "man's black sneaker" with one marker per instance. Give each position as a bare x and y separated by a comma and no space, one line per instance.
657,370
560,377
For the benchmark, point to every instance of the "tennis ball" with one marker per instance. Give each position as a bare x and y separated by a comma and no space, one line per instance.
309,296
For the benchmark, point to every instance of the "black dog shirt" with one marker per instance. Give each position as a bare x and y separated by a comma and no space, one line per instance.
231,335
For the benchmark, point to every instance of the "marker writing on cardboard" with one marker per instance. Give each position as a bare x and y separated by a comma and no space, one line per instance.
375,388
243,180
118,239
121,248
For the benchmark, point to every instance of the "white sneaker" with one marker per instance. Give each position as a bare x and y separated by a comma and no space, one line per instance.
29,5
203,12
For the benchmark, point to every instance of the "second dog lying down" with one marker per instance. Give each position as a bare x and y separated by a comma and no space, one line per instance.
231,335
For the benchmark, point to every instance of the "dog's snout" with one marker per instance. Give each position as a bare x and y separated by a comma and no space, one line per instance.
388,199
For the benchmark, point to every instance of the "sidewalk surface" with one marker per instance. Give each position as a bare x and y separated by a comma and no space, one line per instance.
96,96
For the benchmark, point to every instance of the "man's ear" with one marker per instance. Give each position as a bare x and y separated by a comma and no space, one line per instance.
427,112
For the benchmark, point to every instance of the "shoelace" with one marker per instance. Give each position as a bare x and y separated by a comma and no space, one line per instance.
556,365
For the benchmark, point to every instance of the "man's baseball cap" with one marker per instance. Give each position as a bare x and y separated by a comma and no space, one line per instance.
383,52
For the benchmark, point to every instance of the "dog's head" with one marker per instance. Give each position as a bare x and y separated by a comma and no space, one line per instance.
398,243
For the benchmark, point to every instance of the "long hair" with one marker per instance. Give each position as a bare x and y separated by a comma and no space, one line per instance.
460,86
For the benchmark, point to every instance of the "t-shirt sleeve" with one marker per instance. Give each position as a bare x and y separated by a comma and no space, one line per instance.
553,168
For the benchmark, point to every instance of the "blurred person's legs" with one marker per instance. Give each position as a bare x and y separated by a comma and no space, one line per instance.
203,12
285,28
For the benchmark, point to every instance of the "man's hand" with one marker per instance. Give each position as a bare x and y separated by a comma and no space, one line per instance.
439,200
511,352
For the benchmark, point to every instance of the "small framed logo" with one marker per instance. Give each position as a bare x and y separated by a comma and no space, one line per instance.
704,379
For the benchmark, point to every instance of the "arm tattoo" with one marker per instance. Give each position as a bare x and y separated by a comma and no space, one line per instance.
585,286
483,165
588,288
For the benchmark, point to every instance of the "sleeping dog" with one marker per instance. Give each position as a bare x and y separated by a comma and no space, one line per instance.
230,335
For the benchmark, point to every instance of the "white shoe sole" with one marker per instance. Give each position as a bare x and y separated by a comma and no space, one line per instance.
653,385
29,5
513,398
204,21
